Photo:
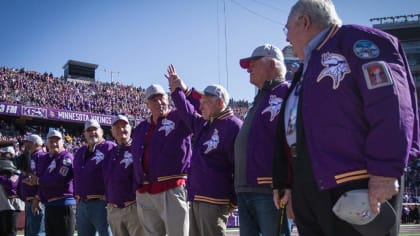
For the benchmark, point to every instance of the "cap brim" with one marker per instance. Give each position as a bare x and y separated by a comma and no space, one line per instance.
382,222
245,61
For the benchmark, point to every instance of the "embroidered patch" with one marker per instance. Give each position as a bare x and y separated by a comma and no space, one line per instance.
66,161
212,142
376,74
167,126
33,165
51,167
63,170
99,156
127,160
336,67
274,105
365,49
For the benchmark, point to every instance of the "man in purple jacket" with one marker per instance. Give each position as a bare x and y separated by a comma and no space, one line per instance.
351,121
119,182
34,221
89,186
54,177
162,151
254,146
210,179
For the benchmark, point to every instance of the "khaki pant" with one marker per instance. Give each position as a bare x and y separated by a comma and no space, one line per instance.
164,213
208,219
124,221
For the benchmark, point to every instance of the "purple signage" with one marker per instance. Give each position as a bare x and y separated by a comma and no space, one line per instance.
9,109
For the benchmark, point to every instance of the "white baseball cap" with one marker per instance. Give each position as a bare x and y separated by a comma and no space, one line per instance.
266,50
92,123
54,133
354,208
36,139
120,117
153,90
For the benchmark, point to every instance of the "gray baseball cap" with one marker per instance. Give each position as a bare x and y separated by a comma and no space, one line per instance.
153,90
120,117
8,149
92,123
266,50
36,139
353,207
54,133
218,91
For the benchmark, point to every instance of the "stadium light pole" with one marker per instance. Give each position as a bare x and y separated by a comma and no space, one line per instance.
112,73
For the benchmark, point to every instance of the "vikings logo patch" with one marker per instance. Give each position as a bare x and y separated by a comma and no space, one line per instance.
99,156
212,142
127,160
376,74
273,107
167,126
365,49
33,165
52,166
336,67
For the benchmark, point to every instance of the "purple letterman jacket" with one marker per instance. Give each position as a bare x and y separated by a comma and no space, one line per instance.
260,148
118,176
359,106
55,176
88,178
28,192
169,152
210,178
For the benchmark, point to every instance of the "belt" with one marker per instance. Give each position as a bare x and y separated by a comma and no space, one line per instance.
123,205
293,151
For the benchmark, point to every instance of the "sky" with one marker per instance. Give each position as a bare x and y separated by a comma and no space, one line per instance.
133,41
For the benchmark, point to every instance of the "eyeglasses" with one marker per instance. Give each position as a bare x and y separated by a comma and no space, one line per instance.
285,28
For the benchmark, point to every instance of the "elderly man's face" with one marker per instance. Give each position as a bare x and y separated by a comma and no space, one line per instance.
259,71
55,145
209,106
296,34
158,105
121,131
93,135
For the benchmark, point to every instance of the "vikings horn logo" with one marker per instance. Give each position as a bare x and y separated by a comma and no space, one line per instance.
336,67
167,126
212,142
127,160
99,156
273,107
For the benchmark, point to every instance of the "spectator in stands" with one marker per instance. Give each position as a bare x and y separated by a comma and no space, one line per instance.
89,186
34,221
54,177
210,181
119,182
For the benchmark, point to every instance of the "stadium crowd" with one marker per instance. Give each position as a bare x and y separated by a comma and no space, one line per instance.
20,86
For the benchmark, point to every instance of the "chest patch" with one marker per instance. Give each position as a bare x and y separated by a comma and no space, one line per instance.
212,142
365,49
99,156
335,67
167,126
274,105
127,160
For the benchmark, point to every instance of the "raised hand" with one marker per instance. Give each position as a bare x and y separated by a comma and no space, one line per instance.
174,80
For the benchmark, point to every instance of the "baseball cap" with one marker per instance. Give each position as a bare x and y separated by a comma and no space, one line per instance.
54,133
266,50
92,123
154,89
36,139
217,91
353,207
8,149
120,117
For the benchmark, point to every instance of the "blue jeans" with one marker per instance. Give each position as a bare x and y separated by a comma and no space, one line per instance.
91,217
34,224
259,216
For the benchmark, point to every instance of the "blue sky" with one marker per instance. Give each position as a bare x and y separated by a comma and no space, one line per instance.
137,40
